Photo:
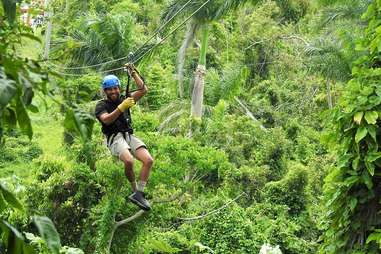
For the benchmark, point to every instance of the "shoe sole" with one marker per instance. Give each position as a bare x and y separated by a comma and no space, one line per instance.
140,205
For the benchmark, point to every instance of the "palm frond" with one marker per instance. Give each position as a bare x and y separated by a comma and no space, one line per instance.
350,10
328,57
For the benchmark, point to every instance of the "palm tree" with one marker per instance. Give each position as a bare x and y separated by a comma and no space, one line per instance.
331,55
212,11
97,39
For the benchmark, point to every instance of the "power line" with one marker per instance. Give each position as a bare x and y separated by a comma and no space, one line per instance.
122,58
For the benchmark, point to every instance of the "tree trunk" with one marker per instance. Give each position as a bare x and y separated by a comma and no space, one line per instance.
329,97
189,36
198,88
334,100
67,6
48,34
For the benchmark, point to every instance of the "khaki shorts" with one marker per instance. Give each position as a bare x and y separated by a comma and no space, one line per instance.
120,144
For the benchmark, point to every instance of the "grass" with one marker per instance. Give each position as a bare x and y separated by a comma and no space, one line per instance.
48,133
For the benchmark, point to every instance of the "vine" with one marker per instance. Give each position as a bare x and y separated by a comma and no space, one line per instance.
353,188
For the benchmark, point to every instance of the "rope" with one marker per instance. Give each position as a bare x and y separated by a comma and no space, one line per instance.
122,58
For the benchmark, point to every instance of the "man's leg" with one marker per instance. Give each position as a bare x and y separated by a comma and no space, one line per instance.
145,157
128,161
138,196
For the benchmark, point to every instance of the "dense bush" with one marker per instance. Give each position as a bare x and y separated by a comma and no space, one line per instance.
19,149
289,191
64,192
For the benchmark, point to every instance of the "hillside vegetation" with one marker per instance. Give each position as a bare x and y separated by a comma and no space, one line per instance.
262,118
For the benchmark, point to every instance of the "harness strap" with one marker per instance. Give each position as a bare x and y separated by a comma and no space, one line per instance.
110,138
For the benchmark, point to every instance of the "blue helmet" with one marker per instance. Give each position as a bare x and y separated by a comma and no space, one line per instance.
110,81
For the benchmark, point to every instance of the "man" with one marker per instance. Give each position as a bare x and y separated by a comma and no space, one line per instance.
114,115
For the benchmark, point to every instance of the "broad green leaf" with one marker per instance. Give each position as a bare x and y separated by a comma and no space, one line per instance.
28,249
3,204
27,96
371,157
372,132
355,163
9,117
360,134
371,117
14,238
23,118
367,180
10,10
30,36
375,236
351,180
33,108
10,198
7,91
353,203
48,232
343,160
79,122
370,167
357,117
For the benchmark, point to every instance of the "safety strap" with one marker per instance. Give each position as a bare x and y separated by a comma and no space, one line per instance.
110,138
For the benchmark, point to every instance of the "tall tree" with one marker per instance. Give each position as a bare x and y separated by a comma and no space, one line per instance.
212,11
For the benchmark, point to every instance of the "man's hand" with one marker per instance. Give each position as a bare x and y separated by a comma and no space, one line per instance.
130,69
127,103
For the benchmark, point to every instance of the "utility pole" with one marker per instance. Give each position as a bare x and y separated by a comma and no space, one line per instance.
48,32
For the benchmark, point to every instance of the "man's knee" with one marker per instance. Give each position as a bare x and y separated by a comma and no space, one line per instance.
148,161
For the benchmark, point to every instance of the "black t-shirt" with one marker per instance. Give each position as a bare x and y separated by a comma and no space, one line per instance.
121,124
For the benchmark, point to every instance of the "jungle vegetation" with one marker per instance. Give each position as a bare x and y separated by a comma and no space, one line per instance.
263,117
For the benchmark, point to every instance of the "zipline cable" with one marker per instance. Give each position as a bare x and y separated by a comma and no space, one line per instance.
170,33
134,61
122,58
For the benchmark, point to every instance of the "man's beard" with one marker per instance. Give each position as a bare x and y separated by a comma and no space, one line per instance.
113,97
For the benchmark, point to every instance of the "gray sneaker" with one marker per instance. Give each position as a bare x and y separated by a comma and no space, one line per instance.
138,199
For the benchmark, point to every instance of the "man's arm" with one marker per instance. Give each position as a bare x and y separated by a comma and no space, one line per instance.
109,118
142,88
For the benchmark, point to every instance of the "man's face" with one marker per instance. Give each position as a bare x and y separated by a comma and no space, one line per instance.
112,93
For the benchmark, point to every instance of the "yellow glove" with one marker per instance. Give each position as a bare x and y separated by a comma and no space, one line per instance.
127,103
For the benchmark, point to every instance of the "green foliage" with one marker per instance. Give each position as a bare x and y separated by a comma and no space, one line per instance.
352,188
272,224
13,241
20,78
260,132
293,10
48,232
94,39
177,158
225,88
18,149
144,122
161,86
79,122
290,191
65,196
